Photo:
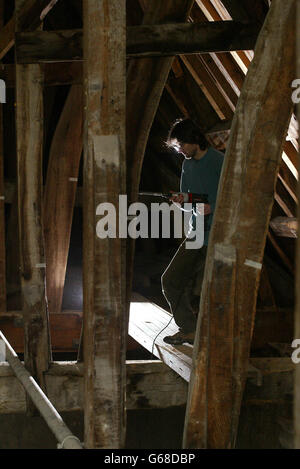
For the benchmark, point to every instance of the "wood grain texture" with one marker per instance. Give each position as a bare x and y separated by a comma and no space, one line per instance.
29,126
142,41
149,385
2,203
60,193
29,131
241,220
28,18
105,325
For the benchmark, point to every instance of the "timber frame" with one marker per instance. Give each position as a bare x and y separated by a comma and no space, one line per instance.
186,58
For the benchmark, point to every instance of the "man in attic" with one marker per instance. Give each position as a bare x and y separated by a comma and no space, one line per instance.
182,280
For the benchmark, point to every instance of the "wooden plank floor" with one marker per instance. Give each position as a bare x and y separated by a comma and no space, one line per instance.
147,320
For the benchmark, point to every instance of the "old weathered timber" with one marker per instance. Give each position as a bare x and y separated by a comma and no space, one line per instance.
285,226
65,330
60,192
55,74
149,385
210,88
29,130
190,38
142,41
103,259
2,203
29,18
241,223
297,292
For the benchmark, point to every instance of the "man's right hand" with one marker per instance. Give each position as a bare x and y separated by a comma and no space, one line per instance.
177,198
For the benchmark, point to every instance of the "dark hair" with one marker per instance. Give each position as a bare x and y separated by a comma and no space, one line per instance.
185,131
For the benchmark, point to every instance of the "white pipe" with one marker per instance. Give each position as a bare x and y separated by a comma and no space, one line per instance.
64,436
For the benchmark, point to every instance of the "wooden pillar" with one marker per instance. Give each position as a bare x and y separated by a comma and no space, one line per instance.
29,130
60,192
103,259
238,236
297,280
2,201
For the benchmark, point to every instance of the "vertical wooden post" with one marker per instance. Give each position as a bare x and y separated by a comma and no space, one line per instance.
239,231
297,279
103,259
29,130
2,201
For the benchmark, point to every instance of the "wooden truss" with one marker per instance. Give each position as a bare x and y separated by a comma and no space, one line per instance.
219,39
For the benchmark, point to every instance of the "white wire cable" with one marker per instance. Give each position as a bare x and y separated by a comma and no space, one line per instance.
159,335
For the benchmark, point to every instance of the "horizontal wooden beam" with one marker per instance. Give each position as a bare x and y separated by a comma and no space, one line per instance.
150,385
190,38
65,330
142,41
30,16
54,74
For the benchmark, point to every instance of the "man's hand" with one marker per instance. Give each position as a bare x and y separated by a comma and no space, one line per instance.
178,199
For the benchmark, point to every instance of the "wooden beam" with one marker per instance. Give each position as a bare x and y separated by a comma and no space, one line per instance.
64,328
285,226
221,77
242,58
55,74
30,16
2,203
240,225
209,87
150,385
60,192
190,38
142,41
7,37
29,130
49,46
105,324
13,277
195,101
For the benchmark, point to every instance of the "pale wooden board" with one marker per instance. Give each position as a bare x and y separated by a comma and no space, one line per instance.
147,321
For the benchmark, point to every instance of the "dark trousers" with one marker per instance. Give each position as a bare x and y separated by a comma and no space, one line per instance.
181,285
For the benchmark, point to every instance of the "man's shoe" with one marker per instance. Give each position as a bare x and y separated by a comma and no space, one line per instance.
180,338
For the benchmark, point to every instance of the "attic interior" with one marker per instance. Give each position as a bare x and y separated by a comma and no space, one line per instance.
56,275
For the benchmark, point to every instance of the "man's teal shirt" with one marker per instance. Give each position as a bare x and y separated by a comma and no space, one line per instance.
202,177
